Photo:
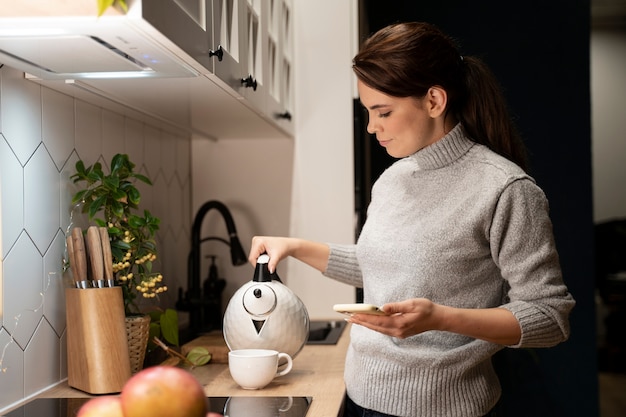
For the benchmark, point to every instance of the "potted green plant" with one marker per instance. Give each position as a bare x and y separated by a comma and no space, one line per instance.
112,201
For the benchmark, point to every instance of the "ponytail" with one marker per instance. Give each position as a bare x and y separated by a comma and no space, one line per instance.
484,113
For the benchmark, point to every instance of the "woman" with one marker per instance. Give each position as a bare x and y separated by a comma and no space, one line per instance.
457,247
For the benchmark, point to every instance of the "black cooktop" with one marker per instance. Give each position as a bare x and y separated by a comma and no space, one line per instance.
228,406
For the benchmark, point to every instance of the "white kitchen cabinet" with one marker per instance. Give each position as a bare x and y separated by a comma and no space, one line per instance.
227,49
238,61
253,80
280,62
252,41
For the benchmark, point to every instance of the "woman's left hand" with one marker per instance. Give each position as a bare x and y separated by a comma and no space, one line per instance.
404,319
410,317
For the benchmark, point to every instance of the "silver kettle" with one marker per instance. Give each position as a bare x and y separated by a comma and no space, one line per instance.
265,314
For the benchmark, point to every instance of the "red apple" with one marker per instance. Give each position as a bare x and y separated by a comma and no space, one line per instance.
108,406
163,391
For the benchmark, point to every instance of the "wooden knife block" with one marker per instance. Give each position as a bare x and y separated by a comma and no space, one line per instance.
97,345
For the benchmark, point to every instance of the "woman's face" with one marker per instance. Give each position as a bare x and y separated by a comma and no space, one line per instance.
402,124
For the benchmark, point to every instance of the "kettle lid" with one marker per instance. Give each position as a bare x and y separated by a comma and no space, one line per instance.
259,300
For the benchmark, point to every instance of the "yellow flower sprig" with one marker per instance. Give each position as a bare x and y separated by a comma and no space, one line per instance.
147,284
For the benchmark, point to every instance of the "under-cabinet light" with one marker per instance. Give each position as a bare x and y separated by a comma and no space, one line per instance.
113,74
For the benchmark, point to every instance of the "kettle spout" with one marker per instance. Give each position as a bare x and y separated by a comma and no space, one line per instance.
258,325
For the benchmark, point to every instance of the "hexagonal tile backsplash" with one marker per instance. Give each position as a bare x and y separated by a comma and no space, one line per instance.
42,135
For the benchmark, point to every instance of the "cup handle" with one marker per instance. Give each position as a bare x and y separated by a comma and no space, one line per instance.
287,406
288,366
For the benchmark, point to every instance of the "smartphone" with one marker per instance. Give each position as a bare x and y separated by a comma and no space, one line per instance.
358,308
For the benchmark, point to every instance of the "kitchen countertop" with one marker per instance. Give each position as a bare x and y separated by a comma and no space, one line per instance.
317,372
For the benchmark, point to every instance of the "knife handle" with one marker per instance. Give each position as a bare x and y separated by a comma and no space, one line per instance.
107,256
78,244
94,249
72,259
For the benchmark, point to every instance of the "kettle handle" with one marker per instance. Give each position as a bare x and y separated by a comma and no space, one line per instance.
275,277
262,273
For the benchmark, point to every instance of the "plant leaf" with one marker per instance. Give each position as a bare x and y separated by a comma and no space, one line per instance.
80,166
123,5
150,246
143,178
155,330
120,244
103,5
95,205
115,231
112,183
79,196
118,160
118,195
155,316
117,208
133,195
169,326
199,356
135,221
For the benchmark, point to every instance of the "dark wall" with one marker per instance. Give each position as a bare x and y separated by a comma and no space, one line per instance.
539,50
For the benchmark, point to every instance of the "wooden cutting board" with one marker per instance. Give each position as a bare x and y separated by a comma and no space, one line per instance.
214,342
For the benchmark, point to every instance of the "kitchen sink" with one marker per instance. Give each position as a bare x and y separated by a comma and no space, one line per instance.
325,332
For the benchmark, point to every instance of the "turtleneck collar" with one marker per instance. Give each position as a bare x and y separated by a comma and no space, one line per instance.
445,151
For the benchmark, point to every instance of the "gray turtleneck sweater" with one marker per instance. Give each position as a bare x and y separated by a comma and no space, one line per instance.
464,227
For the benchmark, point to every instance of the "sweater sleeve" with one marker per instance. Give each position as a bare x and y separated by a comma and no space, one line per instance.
523,247
343,265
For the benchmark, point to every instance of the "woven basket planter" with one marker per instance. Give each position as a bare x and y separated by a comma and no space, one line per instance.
137,331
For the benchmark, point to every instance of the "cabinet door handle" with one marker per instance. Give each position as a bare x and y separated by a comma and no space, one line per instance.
285,115
219,53
248,82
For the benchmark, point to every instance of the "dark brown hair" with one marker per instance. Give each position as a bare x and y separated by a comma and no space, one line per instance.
406,59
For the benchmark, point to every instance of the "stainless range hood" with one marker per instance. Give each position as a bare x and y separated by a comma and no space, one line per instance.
79,55
89,47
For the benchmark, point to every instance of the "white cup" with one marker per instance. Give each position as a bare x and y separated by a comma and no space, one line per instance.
255,368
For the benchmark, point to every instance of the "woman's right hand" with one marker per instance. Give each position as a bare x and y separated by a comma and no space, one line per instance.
278,248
